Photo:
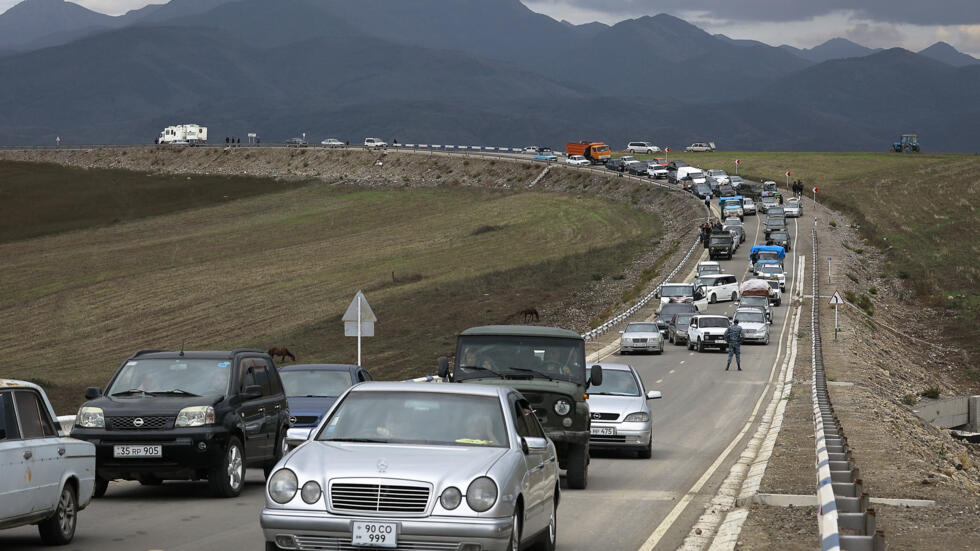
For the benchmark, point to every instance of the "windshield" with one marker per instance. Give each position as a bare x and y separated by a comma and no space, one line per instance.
770,200
677,291
315,382
693,175
721,239
520,357
779,236
602,149
750,317
754,300
771,269
186,376
641,328
711,322
429,418
683,319
768,255
616,383
732,202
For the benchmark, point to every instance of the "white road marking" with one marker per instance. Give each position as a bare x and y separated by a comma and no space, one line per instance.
682,363
673,515
659,381
671,371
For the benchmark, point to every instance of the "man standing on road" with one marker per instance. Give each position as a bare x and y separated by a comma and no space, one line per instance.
734,336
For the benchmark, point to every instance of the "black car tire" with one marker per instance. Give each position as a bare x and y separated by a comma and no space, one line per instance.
578,466
101,485
690,344
647,452
59,528
220,476
280,451
700,345
515,532
734,296
271,546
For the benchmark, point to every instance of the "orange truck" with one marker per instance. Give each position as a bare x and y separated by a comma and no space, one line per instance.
596,152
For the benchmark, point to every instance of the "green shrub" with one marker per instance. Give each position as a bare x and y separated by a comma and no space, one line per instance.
909,399
833,224
597,277
931,392
852,277
873,290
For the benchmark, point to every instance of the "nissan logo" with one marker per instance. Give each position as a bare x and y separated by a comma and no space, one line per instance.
138,422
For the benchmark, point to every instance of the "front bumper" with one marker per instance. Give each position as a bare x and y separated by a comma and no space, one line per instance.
712,341
628,435
761,337
322,530
649,346
187,453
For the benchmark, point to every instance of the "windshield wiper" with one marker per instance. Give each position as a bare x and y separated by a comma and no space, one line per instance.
367,440
481,368
130,391
532,372
174,391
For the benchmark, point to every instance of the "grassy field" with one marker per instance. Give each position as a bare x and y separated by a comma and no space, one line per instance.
921,209
43,199
279,269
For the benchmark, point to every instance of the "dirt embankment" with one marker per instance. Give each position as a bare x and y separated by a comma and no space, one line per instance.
877,377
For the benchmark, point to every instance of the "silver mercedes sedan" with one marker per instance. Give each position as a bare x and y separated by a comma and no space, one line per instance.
641,336
619,410
417,466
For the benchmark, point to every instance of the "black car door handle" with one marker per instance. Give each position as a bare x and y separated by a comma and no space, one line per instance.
28,454
61,451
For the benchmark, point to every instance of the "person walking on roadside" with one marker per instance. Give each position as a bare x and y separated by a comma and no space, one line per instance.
734,336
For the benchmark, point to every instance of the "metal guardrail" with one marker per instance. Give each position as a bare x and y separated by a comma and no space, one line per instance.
842,501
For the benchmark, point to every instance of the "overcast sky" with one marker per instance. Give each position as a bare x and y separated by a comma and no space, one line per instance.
912,24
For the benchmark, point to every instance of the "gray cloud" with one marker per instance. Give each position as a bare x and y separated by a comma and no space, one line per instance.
918,12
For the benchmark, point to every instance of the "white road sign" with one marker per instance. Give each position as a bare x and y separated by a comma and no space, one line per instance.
837,299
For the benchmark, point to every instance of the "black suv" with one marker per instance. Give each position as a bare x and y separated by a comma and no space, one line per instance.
187,416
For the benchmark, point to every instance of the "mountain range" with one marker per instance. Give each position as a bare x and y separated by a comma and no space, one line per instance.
460,71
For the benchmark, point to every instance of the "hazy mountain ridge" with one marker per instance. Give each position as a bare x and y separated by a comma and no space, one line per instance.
478,71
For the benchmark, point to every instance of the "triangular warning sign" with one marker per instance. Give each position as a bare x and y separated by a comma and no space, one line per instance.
837,299
367,315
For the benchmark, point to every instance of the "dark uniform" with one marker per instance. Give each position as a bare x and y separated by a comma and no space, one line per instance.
734,336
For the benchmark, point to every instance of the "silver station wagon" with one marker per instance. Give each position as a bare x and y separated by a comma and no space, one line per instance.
418,466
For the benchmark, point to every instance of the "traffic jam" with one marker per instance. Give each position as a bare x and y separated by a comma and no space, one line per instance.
350,462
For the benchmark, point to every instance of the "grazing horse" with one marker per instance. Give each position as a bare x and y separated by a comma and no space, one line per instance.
282,352
529,313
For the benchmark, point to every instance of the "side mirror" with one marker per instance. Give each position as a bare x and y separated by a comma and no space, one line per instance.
92,392
654,395
443,367
595,379
529,443
252,392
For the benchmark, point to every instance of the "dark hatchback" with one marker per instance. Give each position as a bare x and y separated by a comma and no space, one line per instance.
616,164
186,416
311,389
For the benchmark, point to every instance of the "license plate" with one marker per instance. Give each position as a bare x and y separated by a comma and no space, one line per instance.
603,431
375,534
143,450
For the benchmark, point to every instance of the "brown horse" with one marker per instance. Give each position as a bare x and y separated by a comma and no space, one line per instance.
282,352
529,313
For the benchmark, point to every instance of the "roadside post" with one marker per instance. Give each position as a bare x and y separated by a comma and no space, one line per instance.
836,300
787,179
359,321
667,154
814,196
828,269
737,162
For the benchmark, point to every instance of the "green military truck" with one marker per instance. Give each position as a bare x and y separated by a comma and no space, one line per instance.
547,366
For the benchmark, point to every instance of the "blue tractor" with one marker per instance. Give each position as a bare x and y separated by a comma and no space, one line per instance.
909,142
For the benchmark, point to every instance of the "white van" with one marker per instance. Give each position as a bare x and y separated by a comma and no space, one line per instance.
642,147
719,287
696,174
374,142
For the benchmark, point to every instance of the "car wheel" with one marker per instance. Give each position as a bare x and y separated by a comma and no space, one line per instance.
281,449
647,452
690,344
734,296
549,538
767,339
713,298
101,485
700,345
59,528
578,467
228,476
515,532
671,339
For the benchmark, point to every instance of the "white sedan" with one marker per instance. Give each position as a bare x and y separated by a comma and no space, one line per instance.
577,160
332,142
46,477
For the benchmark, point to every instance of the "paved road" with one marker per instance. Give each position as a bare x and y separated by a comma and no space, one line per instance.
703,409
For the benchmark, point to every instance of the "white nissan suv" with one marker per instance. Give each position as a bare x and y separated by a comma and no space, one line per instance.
707,330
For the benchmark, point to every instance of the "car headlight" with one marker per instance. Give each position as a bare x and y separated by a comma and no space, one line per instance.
562,407
639,417
90,418
310,492
481,494
451,498
195,416
283,486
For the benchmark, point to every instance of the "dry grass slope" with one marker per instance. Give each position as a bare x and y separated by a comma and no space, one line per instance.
281,268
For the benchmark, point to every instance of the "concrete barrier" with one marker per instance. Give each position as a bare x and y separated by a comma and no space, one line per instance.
962,411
